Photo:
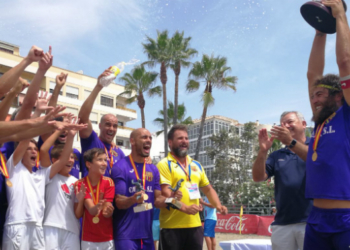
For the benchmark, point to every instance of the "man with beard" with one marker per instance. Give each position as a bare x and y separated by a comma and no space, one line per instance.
181,230
328,159
288,167
108,129
133,230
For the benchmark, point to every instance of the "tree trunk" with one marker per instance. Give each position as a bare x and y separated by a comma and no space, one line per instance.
143,118
204,115
163,79
176,98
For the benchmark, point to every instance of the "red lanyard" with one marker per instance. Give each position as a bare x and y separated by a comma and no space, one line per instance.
109,155
188,174
143,171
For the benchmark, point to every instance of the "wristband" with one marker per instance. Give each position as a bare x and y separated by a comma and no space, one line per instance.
345,82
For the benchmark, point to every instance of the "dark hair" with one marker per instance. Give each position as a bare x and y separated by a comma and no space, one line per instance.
175,128
31,140
57,151
92,153
330,82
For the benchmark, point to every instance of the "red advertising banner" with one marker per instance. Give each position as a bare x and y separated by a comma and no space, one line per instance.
264,227
251,224
229,223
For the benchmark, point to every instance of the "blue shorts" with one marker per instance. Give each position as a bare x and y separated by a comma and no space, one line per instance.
144,244
209,228
155,230
327,229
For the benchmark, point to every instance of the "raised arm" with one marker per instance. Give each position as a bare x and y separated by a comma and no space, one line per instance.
8,79
259,168
342,45
60,82
41,104
30,98
45,159
10,96
316,60
86,108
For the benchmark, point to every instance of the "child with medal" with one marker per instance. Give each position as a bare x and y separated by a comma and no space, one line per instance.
97,208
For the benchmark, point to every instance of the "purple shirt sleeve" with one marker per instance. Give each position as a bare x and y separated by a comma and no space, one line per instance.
156,178
118,176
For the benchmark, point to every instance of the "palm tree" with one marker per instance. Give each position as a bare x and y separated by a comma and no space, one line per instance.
213,71
181,54
139,82
160,51
180,116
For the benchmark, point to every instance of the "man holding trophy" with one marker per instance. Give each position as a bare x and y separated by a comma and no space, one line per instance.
181,227
137,191
328,159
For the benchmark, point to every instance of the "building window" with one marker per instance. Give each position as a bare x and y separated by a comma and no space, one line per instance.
106,101
72,92
71,110
120,123
52,87
120,142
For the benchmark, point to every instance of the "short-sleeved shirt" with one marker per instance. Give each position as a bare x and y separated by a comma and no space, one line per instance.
156,212
127,224
59,201
290,176
26,197
102,231
170,173
328,177
209,213
77,157
93,141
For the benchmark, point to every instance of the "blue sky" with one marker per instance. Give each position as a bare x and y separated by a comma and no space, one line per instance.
266,42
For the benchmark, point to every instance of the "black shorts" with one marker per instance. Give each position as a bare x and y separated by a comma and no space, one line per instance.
181,238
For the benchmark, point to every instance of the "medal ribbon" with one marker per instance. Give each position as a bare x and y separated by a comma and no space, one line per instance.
109,155
319,130
37,161
94,198
143,171
188,174
3,167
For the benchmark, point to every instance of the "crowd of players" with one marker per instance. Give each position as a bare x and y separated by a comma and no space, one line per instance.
46,205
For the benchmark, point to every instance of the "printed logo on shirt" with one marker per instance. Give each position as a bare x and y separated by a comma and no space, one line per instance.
66,190
131,171
114,153
75,157
194,168
149,176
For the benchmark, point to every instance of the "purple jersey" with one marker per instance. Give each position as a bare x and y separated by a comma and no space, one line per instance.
127,224
328,177
76,167
93,141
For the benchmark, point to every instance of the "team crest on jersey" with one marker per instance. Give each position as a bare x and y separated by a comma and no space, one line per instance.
149,176
75,157
194,168
114,153
66,190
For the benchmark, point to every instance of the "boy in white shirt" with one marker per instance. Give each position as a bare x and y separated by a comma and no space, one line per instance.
61,227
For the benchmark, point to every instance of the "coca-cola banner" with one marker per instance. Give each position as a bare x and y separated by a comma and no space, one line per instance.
264,227
229,223
251,224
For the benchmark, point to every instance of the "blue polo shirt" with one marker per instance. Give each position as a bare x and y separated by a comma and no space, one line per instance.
290,176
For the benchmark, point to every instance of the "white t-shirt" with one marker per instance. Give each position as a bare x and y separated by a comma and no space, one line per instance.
26,197
60,198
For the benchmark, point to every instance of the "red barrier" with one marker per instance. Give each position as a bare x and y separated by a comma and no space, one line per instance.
264,227
251,224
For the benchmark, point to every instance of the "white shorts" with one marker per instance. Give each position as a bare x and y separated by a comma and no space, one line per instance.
26,236
107,245
288,237
60,239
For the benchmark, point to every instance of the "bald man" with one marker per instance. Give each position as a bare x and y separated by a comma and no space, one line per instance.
133,230
108,129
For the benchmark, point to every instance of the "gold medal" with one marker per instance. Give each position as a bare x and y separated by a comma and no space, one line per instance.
314,156
188,184
95,220
145,197
9,183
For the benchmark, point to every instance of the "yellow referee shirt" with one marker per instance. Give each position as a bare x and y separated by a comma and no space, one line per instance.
170,173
